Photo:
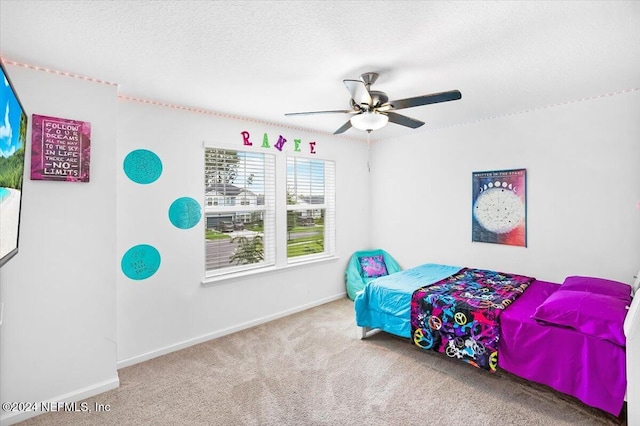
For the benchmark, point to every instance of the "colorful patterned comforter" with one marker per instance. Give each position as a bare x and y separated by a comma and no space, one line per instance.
459,315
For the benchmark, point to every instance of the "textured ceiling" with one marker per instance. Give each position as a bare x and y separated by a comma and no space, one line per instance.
261,59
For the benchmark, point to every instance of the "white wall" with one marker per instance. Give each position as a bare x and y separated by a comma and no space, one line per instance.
58,335
171,309
583,193
583,186
64,333
71,317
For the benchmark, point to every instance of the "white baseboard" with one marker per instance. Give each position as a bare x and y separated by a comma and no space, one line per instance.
185,344
11,418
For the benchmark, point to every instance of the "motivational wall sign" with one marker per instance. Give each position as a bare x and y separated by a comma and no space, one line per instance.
60,149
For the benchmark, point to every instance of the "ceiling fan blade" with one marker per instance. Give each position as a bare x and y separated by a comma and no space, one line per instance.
346,126
344,111
433,98
403,120
359,92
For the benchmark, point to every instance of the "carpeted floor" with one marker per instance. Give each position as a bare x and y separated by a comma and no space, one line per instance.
311,368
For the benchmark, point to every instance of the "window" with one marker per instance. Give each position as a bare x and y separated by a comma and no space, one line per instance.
310,207
242,210
240,226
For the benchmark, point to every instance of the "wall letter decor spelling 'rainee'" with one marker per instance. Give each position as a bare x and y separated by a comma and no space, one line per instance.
279,145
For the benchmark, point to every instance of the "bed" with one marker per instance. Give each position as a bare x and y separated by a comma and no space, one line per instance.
571,339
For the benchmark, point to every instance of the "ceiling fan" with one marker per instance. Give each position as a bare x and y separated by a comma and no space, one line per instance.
371,109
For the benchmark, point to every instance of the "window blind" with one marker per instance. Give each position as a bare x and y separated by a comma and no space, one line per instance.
240,210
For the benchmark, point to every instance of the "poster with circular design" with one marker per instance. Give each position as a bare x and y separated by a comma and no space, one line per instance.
142,166
499,207
140,262
185,213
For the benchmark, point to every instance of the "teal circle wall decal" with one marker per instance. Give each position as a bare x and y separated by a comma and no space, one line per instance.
140,262
185,213
142,166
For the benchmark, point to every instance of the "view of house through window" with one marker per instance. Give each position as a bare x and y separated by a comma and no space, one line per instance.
239,209
310,204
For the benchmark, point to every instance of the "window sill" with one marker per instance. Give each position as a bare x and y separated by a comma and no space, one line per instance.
236,276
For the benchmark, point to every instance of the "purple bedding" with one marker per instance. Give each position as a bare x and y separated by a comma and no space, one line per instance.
585,366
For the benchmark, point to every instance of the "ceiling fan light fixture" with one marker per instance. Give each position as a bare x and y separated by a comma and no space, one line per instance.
369,121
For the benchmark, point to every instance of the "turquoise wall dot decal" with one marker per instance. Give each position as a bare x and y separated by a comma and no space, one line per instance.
140,262
142,166
185,213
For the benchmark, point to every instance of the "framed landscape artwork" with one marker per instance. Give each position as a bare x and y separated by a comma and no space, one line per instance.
499,212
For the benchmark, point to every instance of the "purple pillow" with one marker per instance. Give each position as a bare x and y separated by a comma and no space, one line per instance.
610,288
373,266
592,314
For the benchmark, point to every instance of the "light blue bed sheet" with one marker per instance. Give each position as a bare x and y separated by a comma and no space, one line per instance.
385,302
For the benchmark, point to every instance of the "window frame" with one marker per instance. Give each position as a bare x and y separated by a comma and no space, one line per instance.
328,206
228,205
280,210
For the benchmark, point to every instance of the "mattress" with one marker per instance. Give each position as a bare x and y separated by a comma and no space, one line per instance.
589,368
385,303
